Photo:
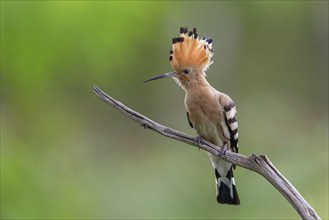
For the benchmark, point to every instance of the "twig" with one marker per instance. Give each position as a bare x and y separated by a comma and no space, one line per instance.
259,164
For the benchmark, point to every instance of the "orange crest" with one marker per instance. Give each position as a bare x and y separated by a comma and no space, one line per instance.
190,51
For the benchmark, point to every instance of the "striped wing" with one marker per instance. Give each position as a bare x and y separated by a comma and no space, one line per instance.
232,124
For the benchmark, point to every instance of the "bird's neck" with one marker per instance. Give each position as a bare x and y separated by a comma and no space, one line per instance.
195,84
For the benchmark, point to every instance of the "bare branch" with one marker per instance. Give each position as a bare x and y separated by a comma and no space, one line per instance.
259,164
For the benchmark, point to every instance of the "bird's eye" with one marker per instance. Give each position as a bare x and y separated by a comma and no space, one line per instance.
186,71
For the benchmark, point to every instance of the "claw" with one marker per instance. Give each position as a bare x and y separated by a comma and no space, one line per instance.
198,140
223,151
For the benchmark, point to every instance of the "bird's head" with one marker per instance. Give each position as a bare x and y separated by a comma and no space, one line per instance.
190,57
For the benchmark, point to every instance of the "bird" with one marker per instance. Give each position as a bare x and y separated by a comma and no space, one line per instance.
210,112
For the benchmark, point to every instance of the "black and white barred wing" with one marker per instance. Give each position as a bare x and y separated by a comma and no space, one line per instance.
226,189
232,124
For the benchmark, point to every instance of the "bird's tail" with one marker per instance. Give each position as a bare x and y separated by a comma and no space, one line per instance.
226,190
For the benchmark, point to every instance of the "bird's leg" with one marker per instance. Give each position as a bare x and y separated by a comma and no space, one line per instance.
223,150
198,140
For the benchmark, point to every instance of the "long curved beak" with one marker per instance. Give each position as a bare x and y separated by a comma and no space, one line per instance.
166,75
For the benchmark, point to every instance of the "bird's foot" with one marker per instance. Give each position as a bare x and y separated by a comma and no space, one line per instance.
223,151
198,140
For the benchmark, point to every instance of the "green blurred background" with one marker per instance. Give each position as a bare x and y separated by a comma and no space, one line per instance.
66,154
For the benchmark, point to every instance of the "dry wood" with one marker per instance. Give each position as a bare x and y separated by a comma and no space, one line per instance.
257,163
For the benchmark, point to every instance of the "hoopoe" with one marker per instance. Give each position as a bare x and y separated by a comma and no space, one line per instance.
210,112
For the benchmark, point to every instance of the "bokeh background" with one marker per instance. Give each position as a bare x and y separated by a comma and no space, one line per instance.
66,154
